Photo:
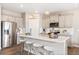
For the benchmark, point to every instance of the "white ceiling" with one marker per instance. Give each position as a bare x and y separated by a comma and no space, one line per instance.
41,7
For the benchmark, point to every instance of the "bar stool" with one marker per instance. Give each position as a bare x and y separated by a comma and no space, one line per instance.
49,50
37,47
29,44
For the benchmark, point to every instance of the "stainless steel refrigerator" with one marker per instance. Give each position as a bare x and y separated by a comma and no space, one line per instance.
8,34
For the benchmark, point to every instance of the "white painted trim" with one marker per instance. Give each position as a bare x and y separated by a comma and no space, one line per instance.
75,45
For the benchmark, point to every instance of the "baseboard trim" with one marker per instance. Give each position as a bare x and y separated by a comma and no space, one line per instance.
75,45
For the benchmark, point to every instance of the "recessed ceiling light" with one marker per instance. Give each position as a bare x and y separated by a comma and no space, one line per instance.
47,12
21,5
36,11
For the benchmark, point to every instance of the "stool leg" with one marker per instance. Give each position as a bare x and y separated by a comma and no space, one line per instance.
50,53
46,52
39,50
28,49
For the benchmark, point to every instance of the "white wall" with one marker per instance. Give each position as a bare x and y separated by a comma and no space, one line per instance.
76,27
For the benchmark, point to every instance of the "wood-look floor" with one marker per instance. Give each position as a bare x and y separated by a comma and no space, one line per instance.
24,53
73,51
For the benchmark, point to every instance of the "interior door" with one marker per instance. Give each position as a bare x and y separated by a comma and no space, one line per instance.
34,26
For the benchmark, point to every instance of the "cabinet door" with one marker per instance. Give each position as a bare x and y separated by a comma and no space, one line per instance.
54,18
68,20
61,21
34,26
65,20
45,23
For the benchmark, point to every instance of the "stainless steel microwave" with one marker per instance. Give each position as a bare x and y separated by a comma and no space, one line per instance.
56,24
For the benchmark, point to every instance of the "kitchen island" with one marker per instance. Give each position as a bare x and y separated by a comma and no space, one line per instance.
59,44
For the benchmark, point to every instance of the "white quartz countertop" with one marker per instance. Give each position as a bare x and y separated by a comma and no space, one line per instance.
40,37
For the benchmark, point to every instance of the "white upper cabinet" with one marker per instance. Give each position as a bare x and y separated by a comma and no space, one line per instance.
65,20
68,20
49,19
54,19
61,21
45,21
